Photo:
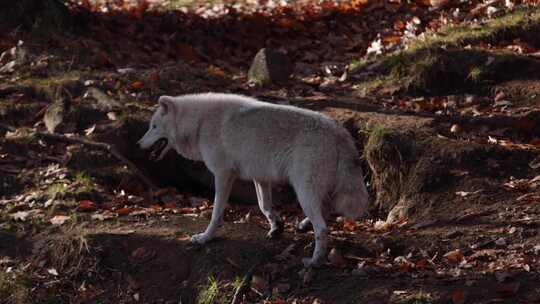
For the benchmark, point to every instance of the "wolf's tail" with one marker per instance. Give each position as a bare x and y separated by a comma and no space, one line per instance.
350,197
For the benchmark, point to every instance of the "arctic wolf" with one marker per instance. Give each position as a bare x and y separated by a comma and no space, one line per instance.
240,137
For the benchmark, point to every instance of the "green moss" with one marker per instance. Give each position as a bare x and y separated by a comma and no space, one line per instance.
440,64
505,27
57,190
84,182
477,73
54,80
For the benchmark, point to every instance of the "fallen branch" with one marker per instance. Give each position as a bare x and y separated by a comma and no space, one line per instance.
99,145
244,285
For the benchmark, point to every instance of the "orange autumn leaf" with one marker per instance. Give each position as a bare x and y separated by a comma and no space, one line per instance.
123,211
187,210
87,205
349,225
137,85
216,71
454,256
392,39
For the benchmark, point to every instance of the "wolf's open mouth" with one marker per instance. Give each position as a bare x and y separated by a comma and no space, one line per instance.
157,147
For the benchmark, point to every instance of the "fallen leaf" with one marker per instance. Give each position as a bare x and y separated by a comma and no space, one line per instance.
59,219
142,254
382,225
20,215
137,85
123,211
102,216
86,206
454,256
458,296
349,225
90,130
53,271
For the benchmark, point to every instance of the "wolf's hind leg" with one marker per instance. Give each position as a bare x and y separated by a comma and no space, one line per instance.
223,183
264,197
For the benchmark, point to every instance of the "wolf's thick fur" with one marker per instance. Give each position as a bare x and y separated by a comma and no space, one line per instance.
240,137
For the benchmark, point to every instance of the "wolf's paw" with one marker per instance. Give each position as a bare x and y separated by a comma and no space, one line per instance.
313,262
275,231
304,225
200,238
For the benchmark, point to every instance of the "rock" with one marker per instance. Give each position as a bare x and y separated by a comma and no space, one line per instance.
455,129
269,66
501,242
57,112
103,102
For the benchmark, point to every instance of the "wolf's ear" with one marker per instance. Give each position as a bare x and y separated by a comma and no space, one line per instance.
166,103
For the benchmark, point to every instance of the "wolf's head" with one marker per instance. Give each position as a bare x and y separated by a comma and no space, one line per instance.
161,125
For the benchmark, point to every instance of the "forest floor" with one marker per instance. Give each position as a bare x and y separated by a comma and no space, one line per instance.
443,102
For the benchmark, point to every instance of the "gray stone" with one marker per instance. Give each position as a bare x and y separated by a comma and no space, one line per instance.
57,111
103,101
269,66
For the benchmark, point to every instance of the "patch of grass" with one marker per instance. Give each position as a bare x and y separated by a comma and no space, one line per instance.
440,64
209,292
477,73
505,27
372,84
357,64
84,182
419,298
57,190
374,135
55,80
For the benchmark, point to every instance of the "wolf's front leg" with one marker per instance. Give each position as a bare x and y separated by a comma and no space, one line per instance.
223,183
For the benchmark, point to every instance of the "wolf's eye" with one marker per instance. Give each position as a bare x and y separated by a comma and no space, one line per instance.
154,126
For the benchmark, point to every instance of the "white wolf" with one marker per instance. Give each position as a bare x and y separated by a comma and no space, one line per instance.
240,137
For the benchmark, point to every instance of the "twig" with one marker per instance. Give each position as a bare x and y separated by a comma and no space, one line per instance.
244,285
99,145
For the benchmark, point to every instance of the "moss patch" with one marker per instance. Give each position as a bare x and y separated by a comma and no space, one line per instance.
440,64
